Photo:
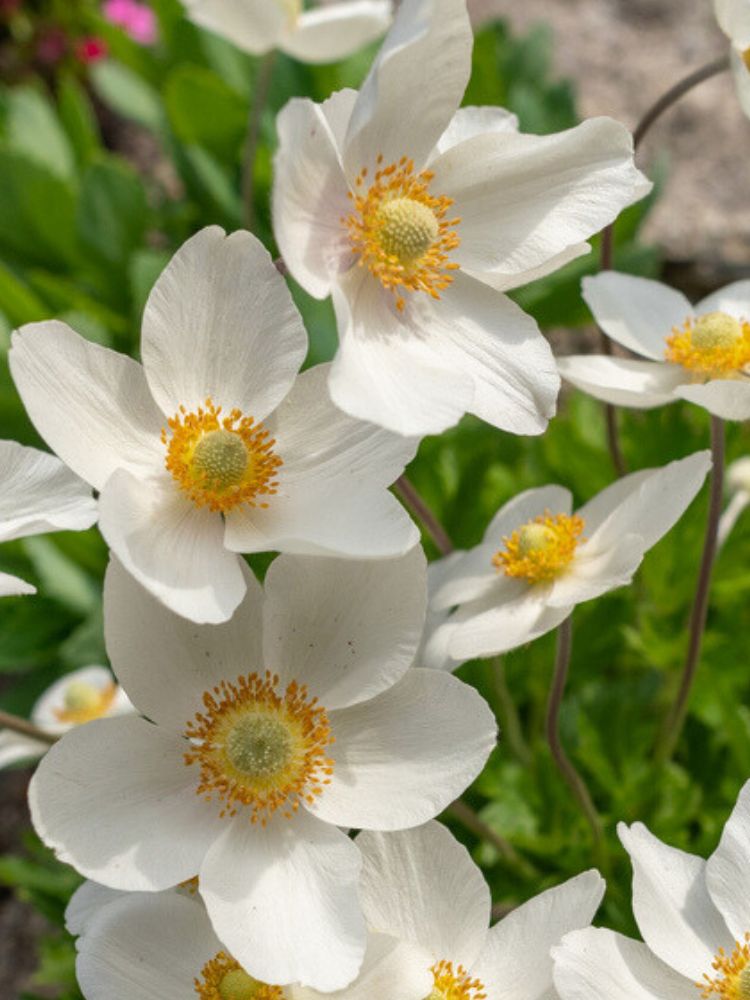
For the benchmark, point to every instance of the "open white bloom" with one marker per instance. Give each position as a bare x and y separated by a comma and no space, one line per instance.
422,888
734,20
694,916
700,353
38,494
738,482
538,560
215,445
416,215
81,696
324,33
138,946
269,733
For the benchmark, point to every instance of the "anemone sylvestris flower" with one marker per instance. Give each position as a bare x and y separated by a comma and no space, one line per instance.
734,20
270,732
415,215
215,445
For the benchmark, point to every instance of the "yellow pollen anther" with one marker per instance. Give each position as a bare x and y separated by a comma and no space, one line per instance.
259,748
541,549
746,58
82,702
223,978
221,462
733,979
399,230
715,345
450,984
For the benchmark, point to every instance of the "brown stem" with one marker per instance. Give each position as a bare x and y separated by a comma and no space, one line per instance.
678,712
25,728
572,778
413,500
466,815
255,119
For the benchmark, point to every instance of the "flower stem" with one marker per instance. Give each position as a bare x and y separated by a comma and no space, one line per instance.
25,728
509,718
413,500
572,778
257,107
463,812
678,712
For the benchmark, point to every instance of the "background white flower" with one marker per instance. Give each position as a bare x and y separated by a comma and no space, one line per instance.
323,33
38,494
537,560
694,916
215,445
415,215
238,780
738,483
734,20
700,353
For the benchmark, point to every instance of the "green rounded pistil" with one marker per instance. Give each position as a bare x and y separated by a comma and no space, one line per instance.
237,985
258,746
408,228
716,329
220,459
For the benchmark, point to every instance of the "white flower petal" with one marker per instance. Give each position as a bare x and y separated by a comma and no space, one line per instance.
506,282
741,76
15,748
332,497
13,586
253,25
401,758
145,947
422,886
731,514
470,121
596,570
166,662
432,35
622,381
151,829
728,868
636,312
220,323
733,299
725,398
734,20
523,198
486,628
45,711
91,405
597,964
327,34
671,904
174,549
86,902
515,963
310,191
347,630
283,899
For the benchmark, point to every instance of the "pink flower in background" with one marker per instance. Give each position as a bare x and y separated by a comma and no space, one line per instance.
91,49
137,19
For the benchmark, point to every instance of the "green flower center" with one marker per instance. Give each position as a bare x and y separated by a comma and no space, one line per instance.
716,329
220,459
259,746
237,985
535,538
407,229
80,696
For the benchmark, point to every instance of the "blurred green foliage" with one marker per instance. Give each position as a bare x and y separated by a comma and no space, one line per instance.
101,181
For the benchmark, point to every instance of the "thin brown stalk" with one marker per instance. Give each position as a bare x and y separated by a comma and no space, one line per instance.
463,812
413,500
25,728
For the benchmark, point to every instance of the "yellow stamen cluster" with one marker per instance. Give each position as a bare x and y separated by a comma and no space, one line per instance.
539,550
83,702
714,345
450,984
260,749
733,980
746,59
221,462
222,978
399,230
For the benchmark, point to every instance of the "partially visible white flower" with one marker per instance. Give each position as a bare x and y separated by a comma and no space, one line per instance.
433,652
38,494
700,353
214,445
694,916
738,483
81,696
538,560
270,733
416,215
734,20
422,888
323,33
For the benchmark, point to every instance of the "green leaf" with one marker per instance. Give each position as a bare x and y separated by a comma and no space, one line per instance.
113,212
33,129
37,213
212,185
145,268
17,301
127,93
203,110
79,120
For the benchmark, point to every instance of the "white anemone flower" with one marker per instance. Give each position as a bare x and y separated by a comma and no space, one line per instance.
81,696
734,20
738,482
693,915
538,560
38,494
700,353
269,733
137,946
324,33
422,888
215,445
415,215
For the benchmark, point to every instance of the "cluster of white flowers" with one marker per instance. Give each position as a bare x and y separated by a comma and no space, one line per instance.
257,726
